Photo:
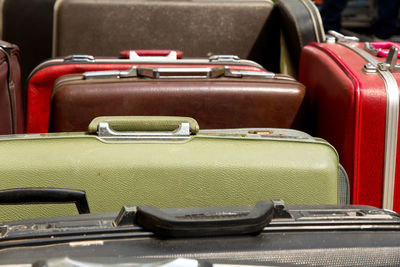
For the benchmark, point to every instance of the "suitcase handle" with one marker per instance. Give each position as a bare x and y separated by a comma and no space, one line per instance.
151,55
196,222
45,195
177,73
380,48
136,126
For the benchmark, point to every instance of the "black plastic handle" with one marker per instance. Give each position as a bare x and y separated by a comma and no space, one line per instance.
45,195
196,222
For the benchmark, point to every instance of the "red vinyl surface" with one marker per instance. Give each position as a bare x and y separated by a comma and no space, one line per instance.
349,110
40,87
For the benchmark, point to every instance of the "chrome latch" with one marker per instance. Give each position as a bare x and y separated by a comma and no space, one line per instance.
111,74
334,36
79,58
224,58
105,132
248,74
390,63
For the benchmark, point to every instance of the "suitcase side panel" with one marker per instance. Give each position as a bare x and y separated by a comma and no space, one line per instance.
368,130
173,175
248,29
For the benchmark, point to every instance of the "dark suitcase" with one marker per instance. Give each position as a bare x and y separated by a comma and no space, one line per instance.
29,24
301,24
11,110
249,29
217,98
267,234
42,78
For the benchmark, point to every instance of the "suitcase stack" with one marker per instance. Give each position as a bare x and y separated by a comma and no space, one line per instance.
244,152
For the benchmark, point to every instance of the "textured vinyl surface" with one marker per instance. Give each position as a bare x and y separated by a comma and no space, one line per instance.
249,29
201,172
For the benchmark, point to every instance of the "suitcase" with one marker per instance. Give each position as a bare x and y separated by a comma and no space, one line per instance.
29,24
167,162
248,29
301,24
353,103
42,78
281,235
11,111
216,97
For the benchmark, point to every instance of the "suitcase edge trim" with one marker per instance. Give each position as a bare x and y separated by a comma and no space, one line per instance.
391,131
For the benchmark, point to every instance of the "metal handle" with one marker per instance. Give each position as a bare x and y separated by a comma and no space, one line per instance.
151,55
181,133
195,222
45,195
160,73
177,73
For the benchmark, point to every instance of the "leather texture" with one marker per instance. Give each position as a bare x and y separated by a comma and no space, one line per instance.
210,169
12,115
349,111
214,103
248,29
136,123
299,27
41,83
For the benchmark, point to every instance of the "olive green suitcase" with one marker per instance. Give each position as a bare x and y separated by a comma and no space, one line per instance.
167,162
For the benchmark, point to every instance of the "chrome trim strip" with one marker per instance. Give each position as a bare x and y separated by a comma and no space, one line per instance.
391,131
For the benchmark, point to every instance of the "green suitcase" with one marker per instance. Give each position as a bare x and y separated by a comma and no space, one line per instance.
167,162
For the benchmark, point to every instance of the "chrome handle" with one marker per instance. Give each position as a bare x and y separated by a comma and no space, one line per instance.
107,133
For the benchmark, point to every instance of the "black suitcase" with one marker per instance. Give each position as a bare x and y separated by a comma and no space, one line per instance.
29,24
301,24
268,234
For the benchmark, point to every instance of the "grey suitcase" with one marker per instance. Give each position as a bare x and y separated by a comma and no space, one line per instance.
248,29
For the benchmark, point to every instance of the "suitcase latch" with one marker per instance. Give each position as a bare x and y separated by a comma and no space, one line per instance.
390,63
107,133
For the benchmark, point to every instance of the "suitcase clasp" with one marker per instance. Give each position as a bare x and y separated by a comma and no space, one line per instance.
224,58
334,36
390,63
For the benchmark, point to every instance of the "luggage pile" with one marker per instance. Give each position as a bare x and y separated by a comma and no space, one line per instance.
183,103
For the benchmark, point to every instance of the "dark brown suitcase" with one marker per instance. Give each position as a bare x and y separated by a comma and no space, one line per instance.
216,97
11,110
246,28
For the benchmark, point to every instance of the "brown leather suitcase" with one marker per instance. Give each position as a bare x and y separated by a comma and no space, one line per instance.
216,97
246,28
11,110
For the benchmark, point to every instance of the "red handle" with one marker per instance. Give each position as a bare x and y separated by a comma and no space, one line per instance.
383,47
150,53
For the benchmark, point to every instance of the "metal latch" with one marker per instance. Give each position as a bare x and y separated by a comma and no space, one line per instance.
390,63
79,58
111,74
224,58
248,74
105,132
333,37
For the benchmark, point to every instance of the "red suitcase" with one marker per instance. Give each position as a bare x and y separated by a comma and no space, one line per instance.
42,78
353,102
